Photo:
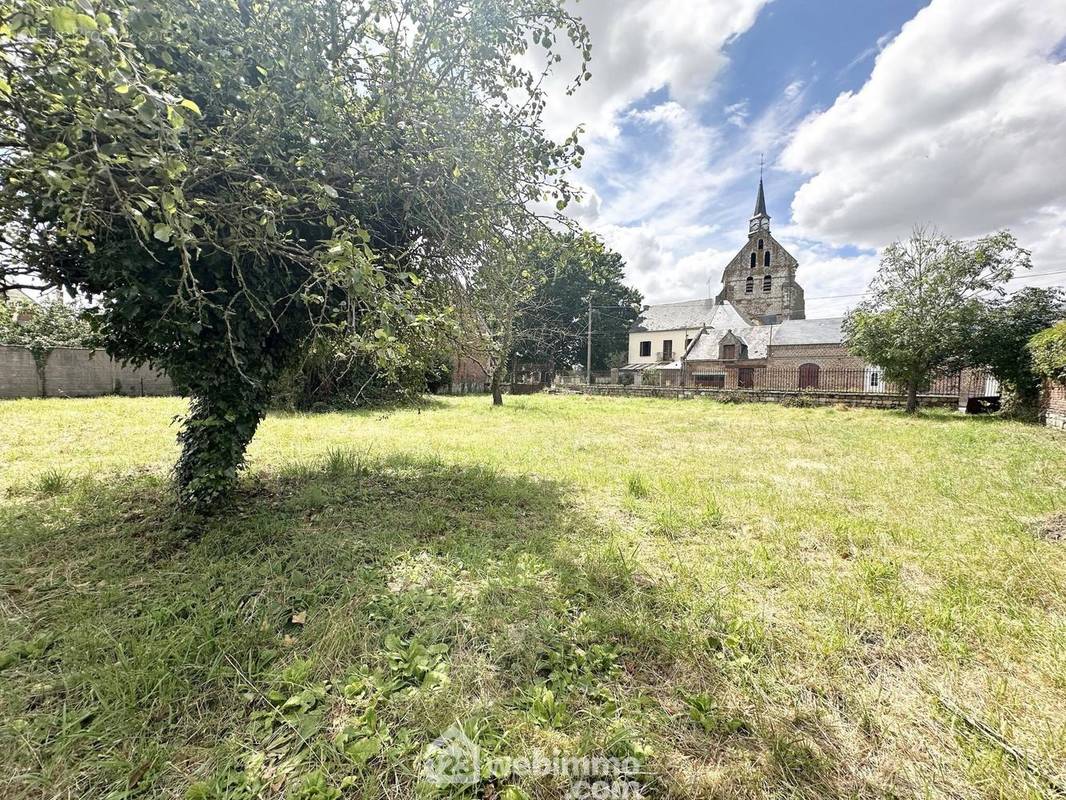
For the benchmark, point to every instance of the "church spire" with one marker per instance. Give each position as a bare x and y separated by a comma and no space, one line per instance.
760,220
760,202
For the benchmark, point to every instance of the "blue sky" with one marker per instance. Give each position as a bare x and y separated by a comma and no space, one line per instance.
872,116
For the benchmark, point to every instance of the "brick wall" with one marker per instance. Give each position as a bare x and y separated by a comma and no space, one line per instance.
826,356
1055,405
75,372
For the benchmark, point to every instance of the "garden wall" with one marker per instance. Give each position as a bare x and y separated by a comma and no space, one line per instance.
75,372
1055,405
863,399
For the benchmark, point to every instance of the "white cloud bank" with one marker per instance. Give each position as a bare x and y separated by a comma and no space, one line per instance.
641,46
962,123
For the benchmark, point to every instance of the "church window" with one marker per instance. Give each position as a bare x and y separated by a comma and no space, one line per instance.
753,261
760,244
766,258
749,285
645,349
766,282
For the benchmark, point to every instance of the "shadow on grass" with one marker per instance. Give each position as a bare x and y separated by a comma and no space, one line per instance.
341,616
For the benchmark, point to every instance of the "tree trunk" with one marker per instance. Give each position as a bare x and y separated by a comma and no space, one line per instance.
912,397
497,390
213,439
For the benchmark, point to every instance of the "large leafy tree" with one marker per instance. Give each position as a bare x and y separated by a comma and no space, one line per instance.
227,179
577,267
925,302
1001,338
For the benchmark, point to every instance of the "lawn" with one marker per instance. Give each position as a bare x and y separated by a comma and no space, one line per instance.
743,600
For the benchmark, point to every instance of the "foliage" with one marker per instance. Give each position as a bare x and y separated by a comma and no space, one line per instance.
924,304
332,373
44,326
228,180
1048,350
555,328
1002,334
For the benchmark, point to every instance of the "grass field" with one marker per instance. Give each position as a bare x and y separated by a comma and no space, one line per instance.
745,600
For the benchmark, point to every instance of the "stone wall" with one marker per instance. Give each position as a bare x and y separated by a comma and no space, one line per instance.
854,399
75,372
1055,405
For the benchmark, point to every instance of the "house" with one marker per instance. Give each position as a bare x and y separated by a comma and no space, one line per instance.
752,334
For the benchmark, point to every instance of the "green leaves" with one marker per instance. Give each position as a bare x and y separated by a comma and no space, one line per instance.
162,231
64,19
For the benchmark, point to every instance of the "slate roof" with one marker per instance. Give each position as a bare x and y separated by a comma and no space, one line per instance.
756,337
689,314
809,331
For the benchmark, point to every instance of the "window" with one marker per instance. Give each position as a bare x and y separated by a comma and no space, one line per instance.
760,244
766,259
875,379
668,349
766,282
645,349
729,351
749,285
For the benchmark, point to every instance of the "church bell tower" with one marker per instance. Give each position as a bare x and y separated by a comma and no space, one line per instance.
760,281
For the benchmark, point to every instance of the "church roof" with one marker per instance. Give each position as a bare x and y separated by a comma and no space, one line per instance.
760,203
689,314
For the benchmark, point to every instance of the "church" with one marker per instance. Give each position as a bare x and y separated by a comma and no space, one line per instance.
753,334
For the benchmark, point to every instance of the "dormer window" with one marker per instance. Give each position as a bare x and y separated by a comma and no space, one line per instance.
729,351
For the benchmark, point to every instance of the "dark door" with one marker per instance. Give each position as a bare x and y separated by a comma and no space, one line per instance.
808,377
746,378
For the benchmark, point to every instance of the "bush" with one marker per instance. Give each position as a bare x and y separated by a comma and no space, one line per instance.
1049,353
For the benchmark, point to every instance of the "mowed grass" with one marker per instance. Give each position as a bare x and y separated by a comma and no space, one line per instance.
746,600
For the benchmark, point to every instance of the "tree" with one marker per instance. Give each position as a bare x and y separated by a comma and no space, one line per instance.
1048,349
577,266
492,303
925,302
1003,331
227,181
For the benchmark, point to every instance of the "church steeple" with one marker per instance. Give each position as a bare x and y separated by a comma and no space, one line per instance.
760,202
760,220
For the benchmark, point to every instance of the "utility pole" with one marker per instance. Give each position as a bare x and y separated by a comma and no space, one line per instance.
588,348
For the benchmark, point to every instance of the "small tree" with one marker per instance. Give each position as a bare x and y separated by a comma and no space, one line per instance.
495,299
1002,334
925,302
1048,349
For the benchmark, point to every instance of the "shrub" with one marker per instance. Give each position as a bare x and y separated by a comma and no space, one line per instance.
1049,353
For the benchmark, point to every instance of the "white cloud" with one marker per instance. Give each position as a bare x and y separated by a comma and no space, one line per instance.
640,46
962,123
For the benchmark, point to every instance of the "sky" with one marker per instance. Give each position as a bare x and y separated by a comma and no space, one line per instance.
872,116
